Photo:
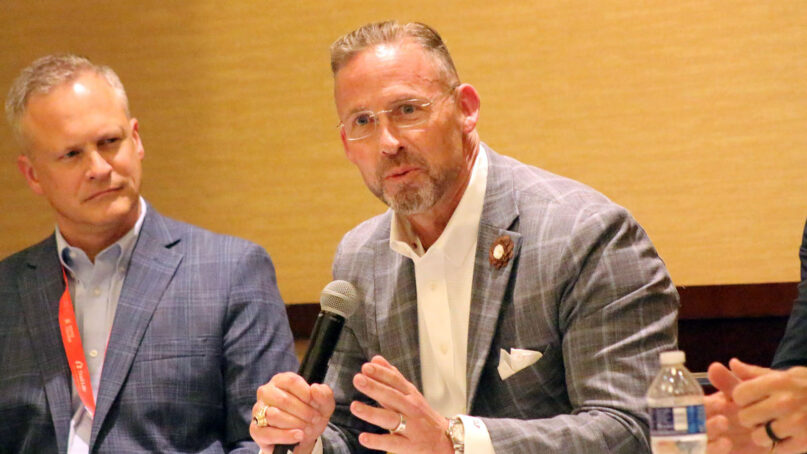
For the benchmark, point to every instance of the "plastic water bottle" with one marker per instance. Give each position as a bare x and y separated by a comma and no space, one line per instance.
677,416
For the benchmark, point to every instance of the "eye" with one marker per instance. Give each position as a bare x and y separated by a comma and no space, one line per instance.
71,154
408,109
108,141
362,119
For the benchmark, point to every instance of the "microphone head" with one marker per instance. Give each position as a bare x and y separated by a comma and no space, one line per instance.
340,298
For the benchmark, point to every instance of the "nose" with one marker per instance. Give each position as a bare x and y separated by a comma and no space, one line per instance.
388,142
99,167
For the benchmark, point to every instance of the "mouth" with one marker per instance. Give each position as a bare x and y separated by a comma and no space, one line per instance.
100,194
399,173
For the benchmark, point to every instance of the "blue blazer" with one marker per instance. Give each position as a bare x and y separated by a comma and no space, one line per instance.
200,324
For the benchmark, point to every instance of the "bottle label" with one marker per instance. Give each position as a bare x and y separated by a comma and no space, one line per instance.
677,420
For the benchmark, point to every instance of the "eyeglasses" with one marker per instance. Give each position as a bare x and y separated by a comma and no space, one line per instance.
403,114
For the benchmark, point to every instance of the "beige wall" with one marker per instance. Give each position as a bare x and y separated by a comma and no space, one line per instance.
692,114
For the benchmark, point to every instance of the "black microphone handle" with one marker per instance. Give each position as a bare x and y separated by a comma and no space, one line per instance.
315,363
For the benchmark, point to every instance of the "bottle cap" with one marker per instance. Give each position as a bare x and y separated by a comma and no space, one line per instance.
673,357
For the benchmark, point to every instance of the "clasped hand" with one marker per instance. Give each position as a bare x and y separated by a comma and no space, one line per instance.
748,398
300,412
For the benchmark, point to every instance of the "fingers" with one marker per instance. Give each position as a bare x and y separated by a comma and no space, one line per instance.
289,392
717,430
295,412
747,371
383,383
379,369
761,412
270,436
716,404
790,429
716,427
722,378
381,417
399,399
385,442
322,399
719,446
792,446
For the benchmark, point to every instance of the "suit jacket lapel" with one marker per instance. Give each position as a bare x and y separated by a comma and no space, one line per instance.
499,217
41,285
151,268
397,322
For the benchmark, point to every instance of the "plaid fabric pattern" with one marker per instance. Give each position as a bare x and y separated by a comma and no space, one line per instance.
199,326
585,287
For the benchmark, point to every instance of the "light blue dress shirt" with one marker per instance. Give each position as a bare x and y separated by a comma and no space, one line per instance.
95,290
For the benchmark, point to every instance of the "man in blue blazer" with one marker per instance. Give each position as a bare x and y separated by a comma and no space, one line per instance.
504,309
124,331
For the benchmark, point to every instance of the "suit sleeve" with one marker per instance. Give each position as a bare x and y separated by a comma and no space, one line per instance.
792,350
343,431
257,342
617,309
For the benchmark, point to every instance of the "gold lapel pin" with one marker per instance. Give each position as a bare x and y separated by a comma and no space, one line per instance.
501,251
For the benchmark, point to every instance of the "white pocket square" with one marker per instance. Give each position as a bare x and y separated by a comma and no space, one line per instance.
515,360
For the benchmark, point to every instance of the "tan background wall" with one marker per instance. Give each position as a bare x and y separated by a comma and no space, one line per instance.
692,114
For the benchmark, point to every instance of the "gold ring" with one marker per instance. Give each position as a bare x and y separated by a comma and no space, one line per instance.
259,418
401,425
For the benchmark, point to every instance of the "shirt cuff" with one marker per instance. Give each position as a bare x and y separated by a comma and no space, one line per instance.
317,446
317,449
477,438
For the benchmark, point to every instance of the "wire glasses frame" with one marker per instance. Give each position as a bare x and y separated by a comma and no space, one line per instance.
403,114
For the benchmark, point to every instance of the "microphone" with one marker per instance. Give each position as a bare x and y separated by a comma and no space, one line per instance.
338,301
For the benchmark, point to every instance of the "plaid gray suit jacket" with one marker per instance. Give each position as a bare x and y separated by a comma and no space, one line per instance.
199,326
585,287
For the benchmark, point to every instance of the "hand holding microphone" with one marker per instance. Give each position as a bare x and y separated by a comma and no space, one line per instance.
295,408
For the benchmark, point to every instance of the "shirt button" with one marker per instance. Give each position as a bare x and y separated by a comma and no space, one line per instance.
93,353
434,286
97,291
444,348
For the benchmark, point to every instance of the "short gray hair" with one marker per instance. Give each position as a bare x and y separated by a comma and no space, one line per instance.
49,72
366,36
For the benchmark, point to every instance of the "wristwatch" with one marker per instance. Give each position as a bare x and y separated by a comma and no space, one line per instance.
456,433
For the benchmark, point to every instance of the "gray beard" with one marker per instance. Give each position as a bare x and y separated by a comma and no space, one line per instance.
413,200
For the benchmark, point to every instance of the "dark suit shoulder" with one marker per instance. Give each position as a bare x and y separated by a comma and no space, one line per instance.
200,241
11,265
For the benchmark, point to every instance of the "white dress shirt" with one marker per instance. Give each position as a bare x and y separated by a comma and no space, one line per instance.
95,289
444,279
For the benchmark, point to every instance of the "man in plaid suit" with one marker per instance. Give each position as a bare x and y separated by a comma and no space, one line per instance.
176,326
504,309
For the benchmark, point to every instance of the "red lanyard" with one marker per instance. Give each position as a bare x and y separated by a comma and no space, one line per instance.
72,347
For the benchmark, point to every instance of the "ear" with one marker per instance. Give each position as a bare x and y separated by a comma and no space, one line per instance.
468,101
29,172
135,127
